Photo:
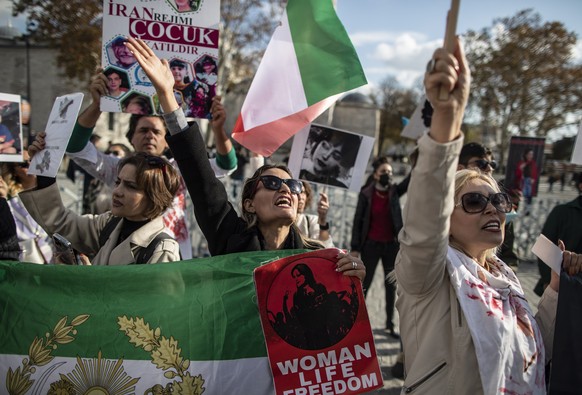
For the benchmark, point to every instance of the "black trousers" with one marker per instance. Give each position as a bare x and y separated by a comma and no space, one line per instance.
371,253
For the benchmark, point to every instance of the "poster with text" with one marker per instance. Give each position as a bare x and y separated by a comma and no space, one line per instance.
10,128
524,164
185,32
330,156
58,133
318,334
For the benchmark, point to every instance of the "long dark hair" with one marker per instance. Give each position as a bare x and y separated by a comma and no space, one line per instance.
303,269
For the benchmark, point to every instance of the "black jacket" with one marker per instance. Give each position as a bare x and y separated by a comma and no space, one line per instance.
224,230
361,224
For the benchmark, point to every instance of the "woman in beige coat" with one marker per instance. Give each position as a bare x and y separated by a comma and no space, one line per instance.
144,189
466,326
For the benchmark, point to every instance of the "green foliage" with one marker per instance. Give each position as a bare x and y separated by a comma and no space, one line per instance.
524,80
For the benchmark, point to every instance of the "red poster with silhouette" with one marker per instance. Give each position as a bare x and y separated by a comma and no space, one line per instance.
316,326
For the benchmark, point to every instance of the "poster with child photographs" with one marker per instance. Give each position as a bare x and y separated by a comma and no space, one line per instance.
185,32
330,156
10,128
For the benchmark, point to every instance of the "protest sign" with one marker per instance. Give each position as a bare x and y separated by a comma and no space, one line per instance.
330,156
316,327
183,32
10,128
415,127
58,132
577,153
517,169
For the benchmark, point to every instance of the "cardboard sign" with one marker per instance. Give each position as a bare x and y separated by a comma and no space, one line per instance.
318,334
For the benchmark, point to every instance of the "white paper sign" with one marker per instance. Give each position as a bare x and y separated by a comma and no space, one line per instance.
415,127
58,133
577,154
548,252
330,156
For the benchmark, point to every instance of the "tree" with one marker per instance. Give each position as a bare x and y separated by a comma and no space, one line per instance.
73,27
394,102
524,81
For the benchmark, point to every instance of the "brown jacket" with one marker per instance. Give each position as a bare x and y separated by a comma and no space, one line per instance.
439,352
46,207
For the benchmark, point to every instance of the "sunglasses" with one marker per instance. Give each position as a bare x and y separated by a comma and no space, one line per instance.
482,164
474,202
274,183
24,165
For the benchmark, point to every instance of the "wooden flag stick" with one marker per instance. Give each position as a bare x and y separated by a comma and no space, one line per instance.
450,33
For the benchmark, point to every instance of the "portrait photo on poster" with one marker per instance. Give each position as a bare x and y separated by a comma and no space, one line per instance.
10,128
524,164
330,156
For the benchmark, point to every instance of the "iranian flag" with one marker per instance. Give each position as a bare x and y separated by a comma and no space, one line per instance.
309,63
191,327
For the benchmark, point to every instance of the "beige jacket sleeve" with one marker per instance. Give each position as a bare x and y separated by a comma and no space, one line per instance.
421,263
546,319
47,208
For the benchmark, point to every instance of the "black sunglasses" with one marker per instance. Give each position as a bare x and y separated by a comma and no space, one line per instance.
274,183
482,164
474,202
155,161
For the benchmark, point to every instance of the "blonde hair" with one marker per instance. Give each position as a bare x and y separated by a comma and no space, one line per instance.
462,178
13,182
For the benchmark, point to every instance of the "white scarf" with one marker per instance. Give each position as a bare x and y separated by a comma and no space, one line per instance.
507,339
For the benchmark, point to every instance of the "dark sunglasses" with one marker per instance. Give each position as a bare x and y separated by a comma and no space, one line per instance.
482,164
155,161
474,202
274,183
24,165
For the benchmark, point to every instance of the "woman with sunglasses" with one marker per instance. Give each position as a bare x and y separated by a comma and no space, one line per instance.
35,244
269,197
465,324
144,189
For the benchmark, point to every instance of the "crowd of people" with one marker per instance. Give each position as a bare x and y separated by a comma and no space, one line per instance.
465,324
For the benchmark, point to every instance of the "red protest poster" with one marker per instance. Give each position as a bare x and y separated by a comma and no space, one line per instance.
318,334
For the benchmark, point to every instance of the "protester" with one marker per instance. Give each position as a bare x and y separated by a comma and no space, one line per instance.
269,198
466,326
313,226
377,221
478,157
35,244
144,189
526,176
146,134
331,156
563,223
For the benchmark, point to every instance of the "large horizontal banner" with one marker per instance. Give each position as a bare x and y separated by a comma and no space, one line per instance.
185,32
188,327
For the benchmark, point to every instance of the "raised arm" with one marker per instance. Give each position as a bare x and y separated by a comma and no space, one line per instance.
424,239
214,214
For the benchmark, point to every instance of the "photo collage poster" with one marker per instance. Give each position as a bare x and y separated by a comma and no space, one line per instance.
185,32
316,326
10,128
330,156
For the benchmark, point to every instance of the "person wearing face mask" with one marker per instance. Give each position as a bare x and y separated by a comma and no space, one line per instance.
377,221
